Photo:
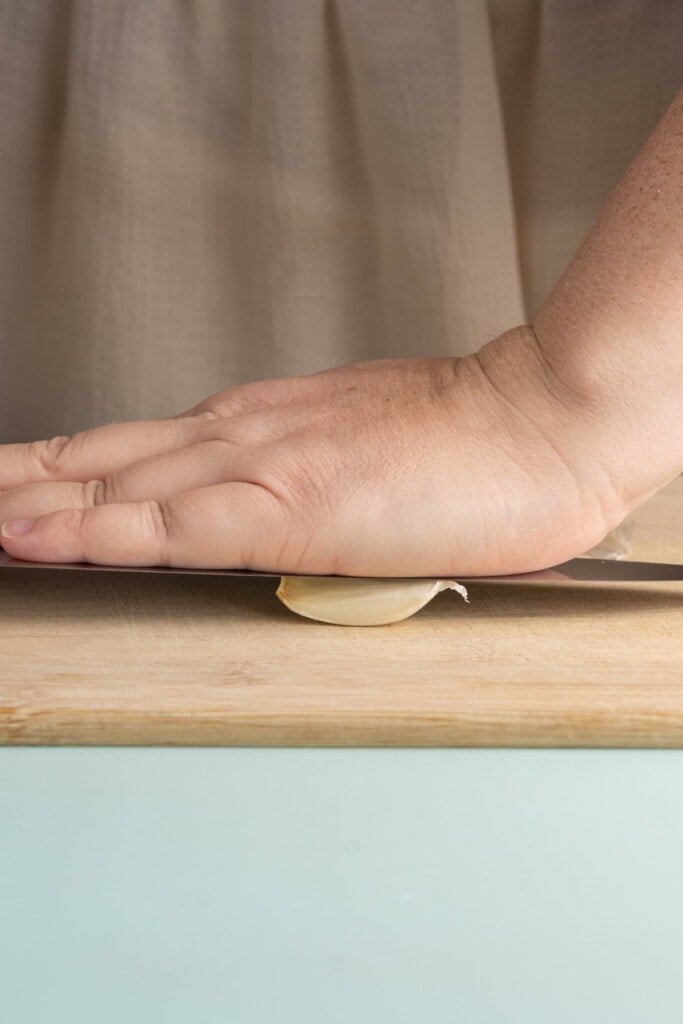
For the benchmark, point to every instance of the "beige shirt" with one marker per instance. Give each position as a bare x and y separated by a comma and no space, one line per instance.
193,195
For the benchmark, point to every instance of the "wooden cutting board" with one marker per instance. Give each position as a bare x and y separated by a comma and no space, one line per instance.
117,658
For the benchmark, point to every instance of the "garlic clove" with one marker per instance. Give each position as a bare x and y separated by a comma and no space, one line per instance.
345,601
617,543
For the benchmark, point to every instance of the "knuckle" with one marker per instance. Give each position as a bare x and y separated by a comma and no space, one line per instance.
206,414
308,481
97,492
159,519
250,397
236,401
50,454
241,405
247,429
72,520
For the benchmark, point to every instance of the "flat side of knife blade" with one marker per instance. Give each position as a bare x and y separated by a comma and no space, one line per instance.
576,570
616,571
6,562
591,570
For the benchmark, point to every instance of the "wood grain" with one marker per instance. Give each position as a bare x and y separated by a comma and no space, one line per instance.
112,658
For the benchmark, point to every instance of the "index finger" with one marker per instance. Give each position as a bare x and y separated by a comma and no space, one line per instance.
222,526
93,454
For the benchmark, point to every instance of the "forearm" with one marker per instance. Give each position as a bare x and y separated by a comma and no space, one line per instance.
612,327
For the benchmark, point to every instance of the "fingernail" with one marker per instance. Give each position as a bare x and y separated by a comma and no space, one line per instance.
17,528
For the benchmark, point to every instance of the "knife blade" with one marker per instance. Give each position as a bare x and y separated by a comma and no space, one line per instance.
577,571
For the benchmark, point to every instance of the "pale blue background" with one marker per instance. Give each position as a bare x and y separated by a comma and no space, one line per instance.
252,885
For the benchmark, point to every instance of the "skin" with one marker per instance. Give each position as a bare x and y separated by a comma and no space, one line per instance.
510,460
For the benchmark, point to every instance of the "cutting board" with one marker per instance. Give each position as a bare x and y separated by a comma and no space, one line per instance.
117,658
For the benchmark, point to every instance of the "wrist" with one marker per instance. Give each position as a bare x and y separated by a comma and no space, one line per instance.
632,406
615,460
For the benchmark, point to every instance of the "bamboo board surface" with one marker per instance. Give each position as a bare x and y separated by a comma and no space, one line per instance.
117,658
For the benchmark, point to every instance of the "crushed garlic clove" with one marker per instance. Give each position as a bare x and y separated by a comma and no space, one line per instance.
345,601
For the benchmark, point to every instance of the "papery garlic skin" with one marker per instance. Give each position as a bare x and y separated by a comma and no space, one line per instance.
345,601
617,543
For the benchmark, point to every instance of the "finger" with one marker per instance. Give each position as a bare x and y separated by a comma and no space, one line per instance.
33,500
160,476
252,397
264,394
96,453
235,525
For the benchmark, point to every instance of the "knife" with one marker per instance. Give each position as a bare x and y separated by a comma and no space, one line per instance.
577,571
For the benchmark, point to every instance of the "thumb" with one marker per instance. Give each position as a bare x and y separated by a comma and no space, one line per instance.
224,526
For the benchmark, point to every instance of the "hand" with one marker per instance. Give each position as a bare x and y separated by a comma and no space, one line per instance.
415,467
513,459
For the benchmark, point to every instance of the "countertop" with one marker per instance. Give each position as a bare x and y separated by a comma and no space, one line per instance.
118,658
